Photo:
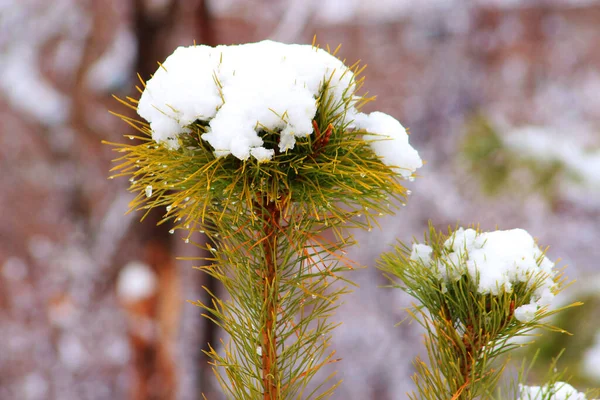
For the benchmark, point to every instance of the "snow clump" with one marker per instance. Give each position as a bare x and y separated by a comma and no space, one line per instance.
389,141
243,90
557,391
496,261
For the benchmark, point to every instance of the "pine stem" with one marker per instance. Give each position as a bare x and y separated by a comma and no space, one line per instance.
471,343
466,355
271,216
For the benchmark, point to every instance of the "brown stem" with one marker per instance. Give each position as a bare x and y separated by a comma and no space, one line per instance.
473,342
271,216
321,138
465,354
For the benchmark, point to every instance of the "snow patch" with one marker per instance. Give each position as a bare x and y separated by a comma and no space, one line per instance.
26,27
117,351
34,387
240,98
547,146
71,351
112,70
557,391
526,313
591,359
14,269
137,281
496,261
389,140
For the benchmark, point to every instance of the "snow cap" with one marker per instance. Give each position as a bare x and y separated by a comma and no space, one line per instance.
244,90
496,261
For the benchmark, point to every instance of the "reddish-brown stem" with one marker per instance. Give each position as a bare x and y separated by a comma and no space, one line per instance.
473,342
321,138
271,214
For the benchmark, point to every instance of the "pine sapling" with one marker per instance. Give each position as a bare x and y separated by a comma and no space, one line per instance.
262,148
476,293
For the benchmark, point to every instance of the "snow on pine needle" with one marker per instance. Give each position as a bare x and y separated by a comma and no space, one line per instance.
224,123
502,264
243,90
496,262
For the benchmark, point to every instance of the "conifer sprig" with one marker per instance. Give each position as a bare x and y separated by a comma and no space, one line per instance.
267,222
465,330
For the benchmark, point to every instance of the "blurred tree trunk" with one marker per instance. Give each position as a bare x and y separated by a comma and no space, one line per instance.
157,378
156,374
204,31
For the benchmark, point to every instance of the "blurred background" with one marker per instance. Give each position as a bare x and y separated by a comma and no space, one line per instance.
502,98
